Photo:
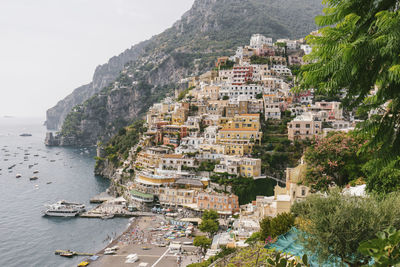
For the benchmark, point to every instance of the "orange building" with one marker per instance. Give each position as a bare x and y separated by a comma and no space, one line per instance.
222,203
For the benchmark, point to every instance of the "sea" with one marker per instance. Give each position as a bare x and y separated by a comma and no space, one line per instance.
26,237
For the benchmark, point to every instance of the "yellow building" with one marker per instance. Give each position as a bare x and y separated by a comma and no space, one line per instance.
239,136
179,116
244,121
153,179
294,187
177,196
211,92
146,160
250,167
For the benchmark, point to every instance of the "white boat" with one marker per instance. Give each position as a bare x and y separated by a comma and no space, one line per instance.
33,178
64,209
109,251
18,175
132,258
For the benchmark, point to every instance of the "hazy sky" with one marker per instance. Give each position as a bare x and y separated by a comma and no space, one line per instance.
50,47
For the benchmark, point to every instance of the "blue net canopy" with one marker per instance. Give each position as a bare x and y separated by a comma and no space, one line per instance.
290,243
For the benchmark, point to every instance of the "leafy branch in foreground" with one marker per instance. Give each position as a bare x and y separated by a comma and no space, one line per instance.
357,51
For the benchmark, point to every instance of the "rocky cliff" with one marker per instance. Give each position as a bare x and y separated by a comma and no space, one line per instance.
128,84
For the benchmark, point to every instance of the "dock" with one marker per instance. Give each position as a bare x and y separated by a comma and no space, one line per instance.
100,215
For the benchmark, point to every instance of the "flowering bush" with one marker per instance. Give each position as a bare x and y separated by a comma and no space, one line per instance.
334,160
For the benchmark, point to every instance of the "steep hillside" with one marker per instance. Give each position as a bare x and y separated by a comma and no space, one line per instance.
151,69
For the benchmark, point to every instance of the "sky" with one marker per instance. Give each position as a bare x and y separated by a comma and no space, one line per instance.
50,47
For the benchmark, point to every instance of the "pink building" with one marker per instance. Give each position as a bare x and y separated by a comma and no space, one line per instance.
303,127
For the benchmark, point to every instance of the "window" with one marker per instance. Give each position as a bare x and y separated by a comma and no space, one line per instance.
307,125
297,125
303,191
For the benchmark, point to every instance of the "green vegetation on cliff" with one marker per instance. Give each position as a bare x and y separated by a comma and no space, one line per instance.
276,151
117,148
120,144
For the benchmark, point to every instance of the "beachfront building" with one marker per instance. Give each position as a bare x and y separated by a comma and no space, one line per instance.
222,203
176,196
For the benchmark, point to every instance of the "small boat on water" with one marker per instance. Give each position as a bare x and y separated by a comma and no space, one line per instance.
107,216
67,254
48,182
35,171
12,166
25,134
33,178
18,175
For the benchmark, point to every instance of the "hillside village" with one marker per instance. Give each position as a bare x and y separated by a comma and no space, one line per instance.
210,130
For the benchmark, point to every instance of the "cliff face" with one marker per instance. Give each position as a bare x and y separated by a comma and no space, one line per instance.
128,84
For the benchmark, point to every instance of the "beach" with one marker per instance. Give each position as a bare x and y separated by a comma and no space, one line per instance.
144,237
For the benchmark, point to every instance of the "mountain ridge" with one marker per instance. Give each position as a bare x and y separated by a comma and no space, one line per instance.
209,29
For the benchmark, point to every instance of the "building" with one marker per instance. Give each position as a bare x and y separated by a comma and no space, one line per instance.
176,162
242,74
222,203
176,196
304,126
258,41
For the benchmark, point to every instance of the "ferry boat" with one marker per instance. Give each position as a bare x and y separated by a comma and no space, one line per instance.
64,209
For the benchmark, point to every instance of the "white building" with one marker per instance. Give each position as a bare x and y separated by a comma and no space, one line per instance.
281,70
258,40
233,91
306,48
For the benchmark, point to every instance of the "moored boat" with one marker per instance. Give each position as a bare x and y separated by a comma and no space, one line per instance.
64,209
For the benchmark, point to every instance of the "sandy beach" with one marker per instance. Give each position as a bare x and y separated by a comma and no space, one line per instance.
143,239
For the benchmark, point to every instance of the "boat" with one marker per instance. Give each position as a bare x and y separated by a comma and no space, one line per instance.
83,263
67,254
18,175
25,134
33,178
109,251
36,171
48,182
12,166
64,209
131,258
107,216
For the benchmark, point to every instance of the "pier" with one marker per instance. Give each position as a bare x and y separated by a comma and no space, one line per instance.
99,215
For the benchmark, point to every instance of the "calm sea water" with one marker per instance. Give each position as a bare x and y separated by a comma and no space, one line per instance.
27,238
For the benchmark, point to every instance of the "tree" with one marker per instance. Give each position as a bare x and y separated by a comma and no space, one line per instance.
382,180
385,249
202,242
335,224
357,52
334,160
210,215
273,227
209,222
225,97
